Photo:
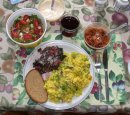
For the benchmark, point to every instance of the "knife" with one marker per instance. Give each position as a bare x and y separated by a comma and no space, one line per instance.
105,64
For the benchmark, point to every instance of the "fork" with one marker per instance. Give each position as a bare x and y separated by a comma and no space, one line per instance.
98,68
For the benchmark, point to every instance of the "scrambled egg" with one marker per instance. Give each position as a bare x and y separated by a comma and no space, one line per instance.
69,80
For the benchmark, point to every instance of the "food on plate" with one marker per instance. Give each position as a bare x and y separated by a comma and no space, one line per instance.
96,37
69,80
34,85
69,75
27,28
49,60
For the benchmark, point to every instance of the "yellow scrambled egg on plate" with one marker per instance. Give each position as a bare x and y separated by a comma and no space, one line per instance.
72,76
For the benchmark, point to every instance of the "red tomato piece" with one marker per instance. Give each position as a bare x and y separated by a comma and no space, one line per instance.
23,22
35,39
25,17
35,22
17,26
36,31
14,34
27,36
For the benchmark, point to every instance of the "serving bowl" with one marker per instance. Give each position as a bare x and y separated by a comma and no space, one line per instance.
96,36
18,16
52,10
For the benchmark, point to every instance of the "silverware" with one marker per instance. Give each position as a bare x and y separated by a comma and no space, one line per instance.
105,64
118,28
98,67
52,4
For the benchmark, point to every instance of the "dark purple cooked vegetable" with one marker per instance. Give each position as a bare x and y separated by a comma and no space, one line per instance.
50,59
119,18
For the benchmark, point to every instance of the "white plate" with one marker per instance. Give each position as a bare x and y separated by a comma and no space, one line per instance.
67,47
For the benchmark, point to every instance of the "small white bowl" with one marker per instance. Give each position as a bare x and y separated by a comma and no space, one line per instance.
22,12
52,13
96,25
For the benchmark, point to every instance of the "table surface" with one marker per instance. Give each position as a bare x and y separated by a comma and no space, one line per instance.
12,91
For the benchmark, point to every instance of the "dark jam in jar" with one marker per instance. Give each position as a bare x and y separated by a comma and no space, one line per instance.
69,26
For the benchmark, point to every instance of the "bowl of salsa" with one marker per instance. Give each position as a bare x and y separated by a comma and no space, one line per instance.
26,27
96,37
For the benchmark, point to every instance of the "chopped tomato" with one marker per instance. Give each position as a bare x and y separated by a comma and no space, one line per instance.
96,37
27,36
17,25
25,17
36,23
23,22
36,31
28,28
15,34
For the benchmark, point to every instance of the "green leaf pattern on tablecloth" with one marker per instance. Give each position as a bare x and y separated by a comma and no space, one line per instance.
102,20
128,41
8,55
47,38
110,92
112,76
21,97
75,12
4,102
78,2
110,10
18,67
110,102
96,95
59,37
86,11
18,79
119,77
30,102
102,13
30,5
3,79
67,4
36,1
7,4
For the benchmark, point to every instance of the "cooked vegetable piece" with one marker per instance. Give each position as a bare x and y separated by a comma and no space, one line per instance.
50,59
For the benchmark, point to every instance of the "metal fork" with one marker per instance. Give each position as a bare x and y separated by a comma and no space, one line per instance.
98,68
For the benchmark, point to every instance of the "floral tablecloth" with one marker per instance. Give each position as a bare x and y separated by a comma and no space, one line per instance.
12,92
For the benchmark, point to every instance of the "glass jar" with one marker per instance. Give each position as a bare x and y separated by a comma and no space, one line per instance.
100,4
121,5
69,25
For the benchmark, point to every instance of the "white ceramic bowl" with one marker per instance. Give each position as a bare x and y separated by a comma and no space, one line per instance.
22,12
96,25
51,14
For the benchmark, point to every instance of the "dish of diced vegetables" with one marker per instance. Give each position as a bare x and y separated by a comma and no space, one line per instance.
27,28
